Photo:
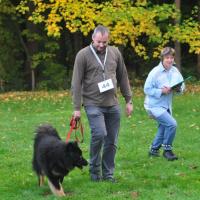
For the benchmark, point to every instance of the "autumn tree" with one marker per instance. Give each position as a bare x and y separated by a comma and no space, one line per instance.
127,21
46,35
198,56
177,43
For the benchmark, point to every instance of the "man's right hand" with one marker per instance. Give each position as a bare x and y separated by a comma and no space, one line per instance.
77,114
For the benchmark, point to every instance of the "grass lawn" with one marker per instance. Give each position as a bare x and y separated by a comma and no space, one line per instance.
139,177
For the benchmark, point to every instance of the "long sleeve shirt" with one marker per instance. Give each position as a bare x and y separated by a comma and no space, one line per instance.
155,102
88,73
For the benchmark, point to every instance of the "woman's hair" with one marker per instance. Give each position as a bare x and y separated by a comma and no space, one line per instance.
167,51
100,28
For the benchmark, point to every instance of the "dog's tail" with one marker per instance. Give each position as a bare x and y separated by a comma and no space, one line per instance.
42,131
46,129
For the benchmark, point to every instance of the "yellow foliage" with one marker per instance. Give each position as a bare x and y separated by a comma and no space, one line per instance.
141,2
126,20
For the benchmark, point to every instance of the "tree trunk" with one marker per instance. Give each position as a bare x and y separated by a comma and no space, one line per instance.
31,48
77,42
32,79
198,66
177,44
178,55
1,85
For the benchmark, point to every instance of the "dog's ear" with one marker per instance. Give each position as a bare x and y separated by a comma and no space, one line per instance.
76,143
71,146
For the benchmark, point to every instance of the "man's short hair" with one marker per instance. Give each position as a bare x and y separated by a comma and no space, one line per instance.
102,29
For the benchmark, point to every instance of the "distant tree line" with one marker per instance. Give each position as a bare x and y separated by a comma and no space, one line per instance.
39,39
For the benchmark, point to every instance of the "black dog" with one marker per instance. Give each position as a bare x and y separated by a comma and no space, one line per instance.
54,158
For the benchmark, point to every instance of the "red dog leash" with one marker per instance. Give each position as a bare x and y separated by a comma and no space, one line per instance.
75,124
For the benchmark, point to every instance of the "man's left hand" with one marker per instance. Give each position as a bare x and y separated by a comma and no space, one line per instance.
129,109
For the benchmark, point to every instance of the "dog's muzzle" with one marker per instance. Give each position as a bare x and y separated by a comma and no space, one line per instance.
82,162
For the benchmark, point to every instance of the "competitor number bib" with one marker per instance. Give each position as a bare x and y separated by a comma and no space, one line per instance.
105,85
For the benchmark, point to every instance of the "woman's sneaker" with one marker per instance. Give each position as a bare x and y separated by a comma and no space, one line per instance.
154,152
169,155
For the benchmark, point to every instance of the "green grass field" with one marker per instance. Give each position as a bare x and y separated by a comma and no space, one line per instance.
139,177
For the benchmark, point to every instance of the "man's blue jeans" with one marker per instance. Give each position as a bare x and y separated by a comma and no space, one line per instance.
104,123
166,131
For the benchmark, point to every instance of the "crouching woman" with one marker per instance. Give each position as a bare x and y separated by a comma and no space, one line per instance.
159,91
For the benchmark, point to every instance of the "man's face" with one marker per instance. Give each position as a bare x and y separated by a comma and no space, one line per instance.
100,41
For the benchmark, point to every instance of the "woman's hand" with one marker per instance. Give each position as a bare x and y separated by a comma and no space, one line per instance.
166,90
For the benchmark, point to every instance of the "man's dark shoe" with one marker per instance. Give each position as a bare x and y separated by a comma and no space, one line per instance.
95,177
154,153
110,179
169,155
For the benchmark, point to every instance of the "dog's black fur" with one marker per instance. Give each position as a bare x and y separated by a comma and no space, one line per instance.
54,158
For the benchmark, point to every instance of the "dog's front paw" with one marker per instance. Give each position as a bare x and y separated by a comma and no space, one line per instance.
55,191
60,193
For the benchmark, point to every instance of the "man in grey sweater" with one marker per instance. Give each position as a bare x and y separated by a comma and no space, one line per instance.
98,70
